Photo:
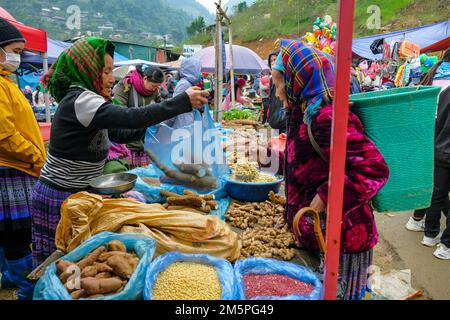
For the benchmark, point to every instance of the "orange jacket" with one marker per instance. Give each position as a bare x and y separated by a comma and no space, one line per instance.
21,143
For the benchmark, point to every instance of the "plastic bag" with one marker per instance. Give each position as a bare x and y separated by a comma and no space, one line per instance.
49,287
223,267
152,193
199,143
268,266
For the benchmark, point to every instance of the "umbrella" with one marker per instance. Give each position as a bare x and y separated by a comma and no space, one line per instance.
121,72
246,61
137,62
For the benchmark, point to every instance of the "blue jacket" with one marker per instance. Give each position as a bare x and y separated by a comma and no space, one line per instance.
190,72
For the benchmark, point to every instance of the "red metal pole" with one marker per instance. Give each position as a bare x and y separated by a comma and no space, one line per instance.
338,146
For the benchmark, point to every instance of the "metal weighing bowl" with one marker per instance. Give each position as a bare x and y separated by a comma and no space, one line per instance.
115,183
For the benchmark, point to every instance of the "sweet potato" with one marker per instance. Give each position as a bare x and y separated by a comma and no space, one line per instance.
121,266
91,257
62,265
106,255
78,294
94,296
134,263
102,267
116,245
104,275
89,271
94,286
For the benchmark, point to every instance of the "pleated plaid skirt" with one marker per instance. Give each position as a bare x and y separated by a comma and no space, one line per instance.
46,209
15,199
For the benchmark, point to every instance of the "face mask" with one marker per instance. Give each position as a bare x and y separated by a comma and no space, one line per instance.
12,61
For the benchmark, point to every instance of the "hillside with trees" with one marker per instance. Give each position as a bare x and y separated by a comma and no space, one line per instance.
127,20
258,26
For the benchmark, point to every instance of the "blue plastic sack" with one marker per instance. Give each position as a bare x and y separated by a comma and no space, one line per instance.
49,287
152,193
223,267
273,266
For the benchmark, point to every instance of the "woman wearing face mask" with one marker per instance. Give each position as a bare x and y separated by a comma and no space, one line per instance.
140,88
22,155
83,126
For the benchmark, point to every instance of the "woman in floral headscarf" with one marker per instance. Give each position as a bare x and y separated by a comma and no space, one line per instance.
83,128
304,80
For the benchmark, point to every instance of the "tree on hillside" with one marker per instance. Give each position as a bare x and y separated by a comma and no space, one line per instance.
196,26
240,7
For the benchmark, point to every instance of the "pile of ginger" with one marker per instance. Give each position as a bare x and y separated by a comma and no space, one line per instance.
266,234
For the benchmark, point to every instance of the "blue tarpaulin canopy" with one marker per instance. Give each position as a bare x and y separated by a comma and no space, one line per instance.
422,36
54,49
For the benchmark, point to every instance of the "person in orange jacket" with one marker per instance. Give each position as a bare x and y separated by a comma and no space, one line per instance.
22,155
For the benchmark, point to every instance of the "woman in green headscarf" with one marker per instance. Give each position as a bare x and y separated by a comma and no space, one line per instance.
84,125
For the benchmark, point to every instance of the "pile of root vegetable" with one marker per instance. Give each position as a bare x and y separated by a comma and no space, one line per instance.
104,271
266,234
190,200
238,145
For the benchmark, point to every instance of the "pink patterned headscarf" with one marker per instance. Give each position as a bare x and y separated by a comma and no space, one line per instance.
137,81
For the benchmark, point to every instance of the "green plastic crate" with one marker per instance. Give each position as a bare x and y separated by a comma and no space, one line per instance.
401,123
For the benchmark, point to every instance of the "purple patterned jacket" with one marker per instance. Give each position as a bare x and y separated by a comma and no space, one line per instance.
307,175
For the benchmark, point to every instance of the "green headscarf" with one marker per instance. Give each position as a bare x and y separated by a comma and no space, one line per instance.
82,65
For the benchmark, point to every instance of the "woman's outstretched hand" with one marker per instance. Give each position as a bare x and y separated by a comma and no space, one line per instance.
198,97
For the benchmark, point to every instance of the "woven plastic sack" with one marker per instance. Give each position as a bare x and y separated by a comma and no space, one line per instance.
223,267
49,287
401,123
273,266
84,215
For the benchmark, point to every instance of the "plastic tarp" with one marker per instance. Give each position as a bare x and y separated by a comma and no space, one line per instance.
128,62
36,38
422,36
55,48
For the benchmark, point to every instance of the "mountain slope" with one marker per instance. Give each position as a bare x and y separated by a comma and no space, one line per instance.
231,3
133,20
267,20
193,8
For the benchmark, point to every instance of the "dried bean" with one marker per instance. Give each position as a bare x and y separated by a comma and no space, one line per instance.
264,285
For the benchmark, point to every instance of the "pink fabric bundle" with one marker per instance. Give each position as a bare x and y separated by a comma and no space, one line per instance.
118,151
